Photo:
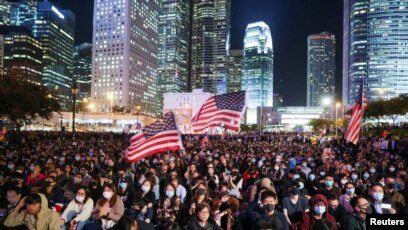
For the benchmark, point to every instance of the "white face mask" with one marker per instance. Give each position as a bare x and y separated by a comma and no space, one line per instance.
107,194
80,199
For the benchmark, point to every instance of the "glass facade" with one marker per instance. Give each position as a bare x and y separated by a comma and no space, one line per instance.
124,57
174,46
211,24
321,67
55,29
23,13
387,49
82,71
377,49
234,74
4,12
257,78
22,54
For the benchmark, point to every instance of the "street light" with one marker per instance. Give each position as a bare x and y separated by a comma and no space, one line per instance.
110,96
74,91
337,106
327,101
61,118
137,116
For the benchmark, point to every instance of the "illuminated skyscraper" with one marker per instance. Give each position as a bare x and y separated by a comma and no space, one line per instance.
174,47
55,29
23,13
257,78
22,54
124,68
211,24
83,69
377,49
354,47
4,12
234,74
321,67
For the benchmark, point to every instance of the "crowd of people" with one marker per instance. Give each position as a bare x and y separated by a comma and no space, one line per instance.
246,181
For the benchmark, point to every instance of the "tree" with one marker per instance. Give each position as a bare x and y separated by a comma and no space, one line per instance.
117,109
244,128
318,124
22,102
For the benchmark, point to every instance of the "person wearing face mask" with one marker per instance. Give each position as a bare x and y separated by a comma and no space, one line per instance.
294,205
54,194
380,204
345,198
337,211
329,188
108,209
168,213
319,217
395,196
305,169
78,211
143,202
201,196
267,217
126,194
361,208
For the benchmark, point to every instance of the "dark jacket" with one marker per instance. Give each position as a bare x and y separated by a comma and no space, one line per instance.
308,221
211,225
340,214
355,223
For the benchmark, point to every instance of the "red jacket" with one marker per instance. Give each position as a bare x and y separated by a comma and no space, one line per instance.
308,220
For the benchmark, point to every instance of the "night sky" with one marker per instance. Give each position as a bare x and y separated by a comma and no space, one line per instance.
291,21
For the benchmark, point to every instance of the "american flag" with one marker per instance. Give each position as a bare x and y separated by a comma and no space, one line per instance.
221,110
353,131
163,135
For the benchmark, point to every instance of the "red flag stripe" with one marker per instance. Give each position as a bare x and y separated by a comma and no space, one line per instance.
227,125
137,138
151,145
165,134
157,149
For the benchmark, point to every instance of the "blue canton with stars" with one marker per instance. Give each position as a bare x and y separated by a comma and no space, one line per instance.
231,101
167,123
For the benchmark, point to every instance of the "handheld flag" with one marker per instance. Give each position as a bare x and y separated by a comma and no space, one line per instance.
222,110
353,131
163,135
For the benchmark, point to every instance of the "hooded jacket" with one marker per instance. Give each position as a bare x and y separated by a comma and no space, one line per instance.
308,220
46,219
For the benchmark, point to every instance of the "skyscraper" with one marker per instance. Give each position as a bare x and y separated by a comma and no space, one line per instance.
387,49
257,78
211,24
124,57
23,13
82,70
22,54
4,12
234,73
174,47
55,29
354,47
321,67
377,48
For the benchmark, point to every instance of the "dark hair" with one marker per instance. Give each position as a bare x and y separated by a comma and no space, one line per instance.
267,194
87,193
202,206
332,197
112,201
376,184
124,223
33,198
349,183
15,189
354,201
